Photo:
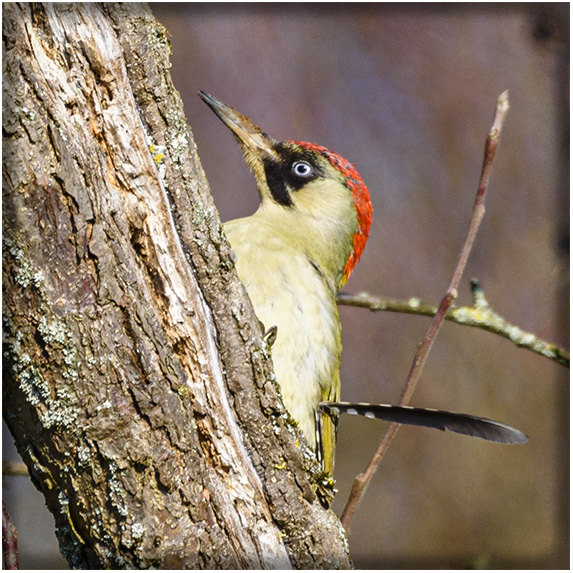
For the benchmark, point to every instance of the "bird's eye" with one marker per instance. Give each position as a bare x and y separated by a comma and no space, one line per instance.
302,168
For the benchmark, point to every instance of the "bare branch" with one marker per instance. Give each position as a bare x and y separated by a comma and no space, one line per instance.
9,541
480,315
10,468
362,480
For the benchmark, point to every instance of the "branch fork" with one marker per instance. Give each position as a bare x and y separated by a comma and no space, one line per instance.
362,480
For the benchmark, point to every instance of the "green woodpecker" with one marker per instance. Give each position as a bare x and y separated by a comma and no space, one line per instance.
293,255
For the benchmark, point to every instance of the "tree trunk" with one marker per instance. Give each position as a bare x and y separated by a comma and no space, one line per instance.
138,388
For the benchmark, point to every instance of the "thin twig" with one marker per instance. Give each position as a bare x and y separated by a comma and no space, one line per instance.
9,541
10,468
480,315
363,479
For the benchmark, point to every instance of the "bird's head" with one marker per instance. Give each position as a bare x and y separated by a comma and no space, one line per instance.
308,191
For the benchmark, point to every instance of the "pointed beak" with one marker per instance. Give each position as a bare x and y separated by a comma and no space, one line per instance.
250,136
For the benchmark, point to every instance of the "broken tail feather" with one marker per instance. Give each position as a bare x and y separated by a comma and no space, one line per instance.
465,424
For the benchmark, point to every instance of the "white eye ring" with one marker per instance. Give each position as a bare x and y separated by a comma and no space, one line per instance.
302,168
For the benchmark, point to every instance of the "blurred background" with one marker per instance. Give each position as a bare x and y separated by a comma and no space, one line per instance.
407,93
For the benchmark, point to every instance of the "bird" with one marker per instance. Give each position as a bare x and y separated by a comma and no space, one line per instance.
293,255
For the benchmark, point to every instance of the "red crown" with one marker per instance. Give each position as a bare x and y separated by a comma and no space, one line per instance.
360,196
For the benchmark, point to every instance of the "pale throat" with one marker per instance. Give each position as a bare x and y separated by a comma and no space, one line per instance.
321,223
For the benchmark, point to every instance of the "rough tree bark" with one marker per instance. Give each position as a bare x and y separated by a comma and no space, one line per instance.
138,388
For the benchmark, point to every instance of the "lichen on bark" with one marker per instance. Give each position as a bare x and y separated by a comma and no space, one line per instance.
138,389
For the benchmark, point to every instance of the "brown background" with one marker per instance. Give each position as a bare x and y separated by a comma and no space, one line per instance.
407,94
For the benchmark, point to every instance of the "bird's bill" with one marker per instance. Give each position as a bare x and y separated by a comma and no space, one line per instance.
246,132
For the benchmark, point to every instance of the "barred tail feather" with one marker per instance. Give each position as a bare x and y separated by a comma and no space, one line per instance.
441,420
